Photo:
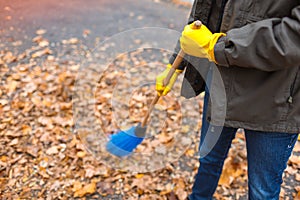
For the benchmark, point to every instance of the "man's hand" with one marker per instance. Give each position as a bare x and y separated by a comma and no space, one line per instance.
199,42
161,89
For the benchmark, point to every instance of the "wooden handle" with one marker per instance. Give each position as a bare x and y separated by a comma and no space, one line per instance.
179,57
154,101
175,65
197,24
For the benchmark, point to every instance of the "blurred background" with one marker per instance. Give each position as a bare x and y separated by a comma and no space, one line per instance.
42,46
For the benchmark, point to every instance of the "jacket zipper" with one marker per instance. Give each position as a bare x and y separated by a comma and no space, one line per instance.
290,99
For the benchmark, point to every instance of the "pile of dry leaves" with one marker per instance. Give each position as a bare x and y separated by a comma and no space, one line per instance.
42,155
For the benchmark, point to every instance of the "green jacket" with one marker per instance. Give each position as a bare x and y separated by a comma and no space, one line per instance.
258,62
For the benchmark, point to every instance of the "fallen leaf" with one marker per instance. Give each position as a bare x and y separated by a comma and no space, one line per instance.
295,159
86,32
87,189
40,53
40,31
77,186
37,39
7,8
52,150
12,86
297,197
32,150
14,142
297,177
44,43
297,147
81,154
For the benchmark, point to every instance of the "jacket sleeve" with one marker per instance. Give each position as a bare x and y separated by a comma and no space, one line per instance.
268,45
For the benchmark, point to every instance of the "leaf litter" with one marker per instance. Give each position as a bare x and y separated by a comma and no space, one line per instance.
40,157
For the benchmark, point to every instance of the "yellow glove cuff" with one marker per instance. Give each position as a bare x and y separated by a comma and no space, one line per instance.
178,71
212,43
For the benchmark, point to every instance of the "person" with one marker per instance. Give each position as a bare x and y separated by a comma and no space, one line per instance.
255,47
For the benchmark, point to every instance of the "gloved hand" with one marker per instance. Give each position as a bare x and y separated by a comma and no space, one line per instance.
199,42
160,88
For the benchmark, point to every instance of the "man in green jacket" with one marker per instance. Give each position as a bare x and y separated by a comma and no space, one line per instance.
254,53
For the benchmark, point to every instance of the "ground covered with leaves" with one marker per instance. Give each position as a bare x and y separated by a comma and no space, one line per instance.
43,156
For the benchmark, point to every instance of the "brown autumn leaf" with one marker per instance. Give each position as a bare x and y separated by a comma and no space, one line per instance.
90,172
180,189
26,129
295,160
15,141
81,154
167,189
71,41
86,189
230,172
297,177
52,150
77,185
182,3
297,147
85,33
40,53
37,39
12,86
3,102
181,194
32,150
44,43
44,120
282,193
41,31
9,57
297,197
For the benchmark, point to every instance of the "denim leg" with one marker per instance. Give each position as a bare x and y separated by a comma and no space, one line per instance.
209,171
267,154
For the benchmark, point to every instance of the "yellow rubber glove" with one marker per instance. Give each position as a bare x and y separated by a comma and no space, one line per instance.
199,42
160,88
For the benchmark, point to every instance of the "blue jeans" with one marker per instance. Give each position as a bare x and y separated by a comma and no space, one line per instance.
267,156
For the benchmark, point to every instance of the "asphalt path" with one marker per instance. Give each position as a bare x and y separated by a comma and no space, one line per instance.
85,20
